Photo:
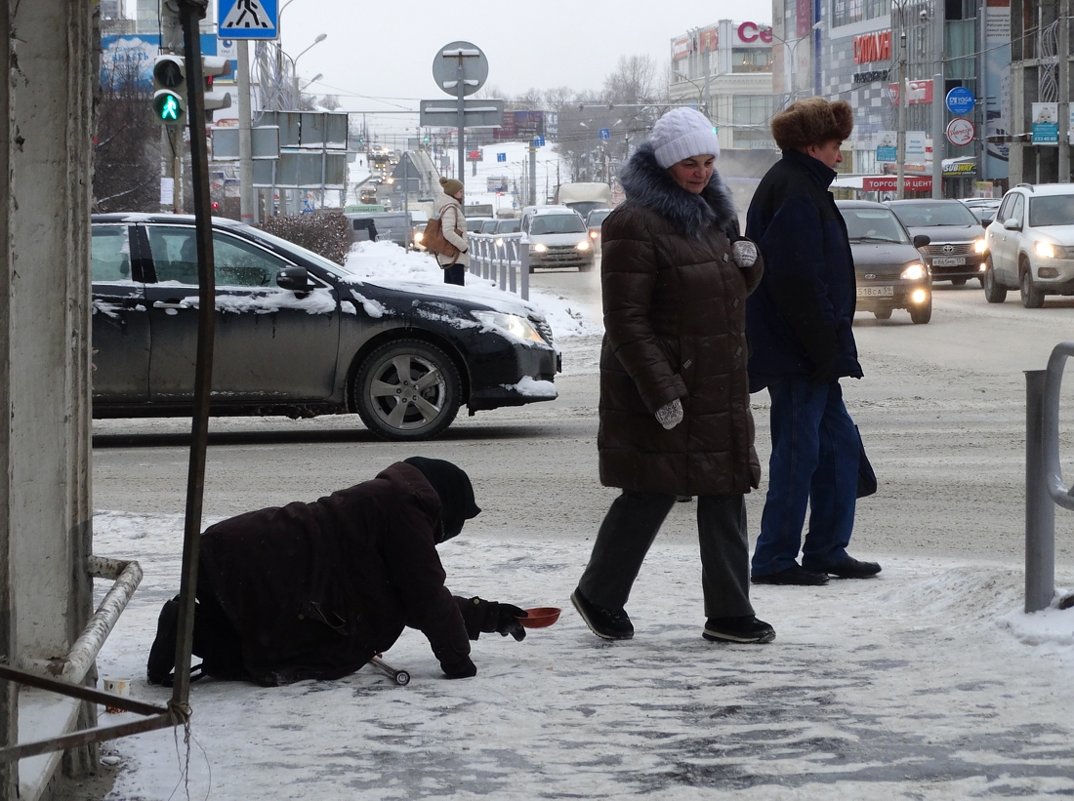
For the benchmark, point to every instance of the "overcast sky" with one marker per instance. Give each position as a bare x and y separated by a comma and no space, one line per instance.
380,56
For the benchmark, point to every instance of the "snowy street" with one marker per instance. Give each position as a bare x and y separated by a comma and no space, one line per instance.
928,682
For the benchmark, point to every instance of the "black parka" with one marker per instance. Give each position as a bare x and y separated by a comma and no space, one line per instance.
315,589
674,320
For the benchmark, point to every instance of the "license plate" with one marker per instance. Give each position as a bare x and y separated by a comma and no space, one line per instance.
875,291
949,261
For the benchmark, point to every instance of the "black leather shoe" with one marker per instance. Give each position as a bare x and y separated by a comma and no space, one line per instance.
794,574
611,624
849,567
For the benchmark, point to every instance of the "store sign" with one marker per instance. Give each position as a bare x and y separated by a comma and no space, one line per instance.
870,47
1045,123
920,92
890,183
750,32
960,131
872,76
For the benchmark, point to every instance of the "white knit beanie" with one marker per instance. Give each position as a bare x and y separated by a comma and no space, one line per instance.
682,133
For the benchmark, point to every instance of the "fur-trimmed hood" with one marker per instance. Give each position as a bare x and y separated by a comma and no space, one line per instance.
650,185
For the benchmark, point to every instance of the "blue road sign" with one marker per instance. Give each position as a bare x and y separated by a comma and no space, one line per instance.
501,157
538,141
960,101
248,19
605,133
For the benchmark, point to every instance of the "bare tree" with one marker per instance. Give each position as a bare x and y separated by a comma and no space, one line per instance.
126,151
632,82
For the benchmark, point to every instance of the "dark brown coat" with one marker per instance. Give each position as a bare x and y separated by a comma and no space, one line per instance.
674,320
315,589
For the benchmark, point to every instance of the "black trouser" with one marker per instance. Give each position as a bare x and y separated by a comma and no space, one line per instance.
628,531
455,274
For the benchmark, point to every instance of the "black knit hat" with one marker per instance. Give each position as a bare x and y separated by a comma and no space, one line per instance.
455,490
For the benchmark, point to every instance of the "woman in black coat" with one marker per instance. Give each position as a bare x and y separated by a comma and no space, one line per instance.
674,401
314,590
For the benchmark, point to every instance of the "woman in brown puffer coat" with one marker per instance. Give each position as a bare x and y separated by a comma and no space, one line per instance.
674,397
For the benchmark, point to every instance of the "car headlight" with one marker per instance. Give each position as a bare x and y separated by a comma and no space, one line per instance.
583,245
540,247
979,245
1046,250
914,271
511,324
594,234
418,237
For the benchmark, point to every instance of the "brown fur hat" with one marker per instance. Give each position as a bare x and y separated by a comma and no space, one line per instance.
812,121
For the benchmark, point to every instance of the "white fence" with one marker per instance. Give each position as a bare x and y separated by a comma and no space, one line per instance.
502,258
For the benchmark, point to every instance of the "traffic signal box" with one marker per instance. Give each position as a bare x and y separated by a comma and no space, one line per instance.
213,67
169,89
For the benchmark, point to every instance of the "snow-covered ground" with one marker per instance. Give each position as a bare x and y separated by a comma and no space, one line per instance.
928,682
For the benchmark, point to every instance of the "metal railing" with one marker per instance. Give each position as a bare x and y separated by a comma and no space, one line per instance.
1045,488
502,258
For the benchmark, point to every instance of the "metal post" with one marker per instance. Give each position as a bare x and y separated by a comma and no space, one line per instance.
1040,509
900,169
247,209
1064,92
937,136
460,96
939,146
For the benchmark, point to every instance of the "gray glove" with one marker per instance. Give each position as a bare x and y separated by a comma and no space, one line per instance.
744,252
670,414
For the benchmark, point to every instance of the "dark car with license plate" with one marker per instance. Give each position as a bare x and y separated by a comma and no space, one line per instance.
299,335
889,270
956,249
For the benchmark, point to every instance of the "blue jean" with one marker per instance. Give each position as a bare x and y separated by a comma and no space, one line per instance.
814,463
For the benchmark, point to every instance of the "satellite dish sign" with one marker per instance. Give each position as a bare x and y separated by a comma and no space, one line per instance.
446,68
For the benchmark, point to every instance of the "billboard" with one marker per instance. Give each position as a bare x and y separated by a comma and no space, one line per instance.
133,53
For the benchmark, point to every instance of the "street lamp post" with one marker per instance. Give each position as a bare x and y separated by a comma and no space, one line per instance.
701,90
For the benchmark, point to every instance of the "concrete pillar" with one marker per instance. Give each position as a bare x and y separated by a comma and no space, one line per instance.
45,510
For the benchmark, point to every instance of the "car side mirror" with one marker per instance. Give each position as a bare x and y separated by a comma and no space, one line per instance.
1011,224
921,240
295,279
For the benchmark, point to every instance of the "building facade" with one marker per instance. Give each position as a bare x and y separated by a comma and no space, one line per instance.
726,70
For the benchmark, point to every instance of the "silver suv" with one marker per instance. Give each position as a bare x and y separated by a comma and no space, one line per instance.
1030,244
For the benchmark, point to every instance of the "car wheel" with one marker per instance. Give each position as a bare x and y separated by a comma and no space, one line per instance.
1032,298
958,282
920,315
993,292
882,314
407,390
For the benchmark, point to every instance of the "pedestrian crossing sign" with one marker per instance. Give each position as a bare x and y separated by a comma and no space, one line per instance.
248,19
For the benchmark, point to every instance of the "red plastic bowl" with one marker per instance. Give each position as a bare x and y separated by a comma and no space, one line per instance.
540,616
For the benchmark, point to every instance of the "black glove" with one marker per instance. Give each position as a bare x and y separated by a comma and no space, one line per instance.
459,668
488,616
507,621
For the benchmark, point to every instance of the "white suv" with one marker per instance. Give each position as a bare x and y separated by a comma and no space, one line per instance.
1030,244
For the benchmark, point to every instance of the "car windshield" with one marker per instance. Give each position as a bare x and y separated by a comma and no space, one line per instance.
508,226
876,225
1051,210
927,214
597,217
557,224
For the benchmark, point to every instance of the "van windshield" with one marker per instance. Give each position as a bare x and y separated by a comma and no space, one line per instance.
557,224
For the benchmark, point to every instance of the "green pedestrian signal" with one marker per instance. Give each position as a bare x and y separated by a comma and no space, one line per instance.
168,106
169,84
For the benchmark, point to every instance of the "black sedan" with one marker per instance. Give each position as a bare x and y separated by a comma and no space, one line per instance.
955,252
889,270
298,335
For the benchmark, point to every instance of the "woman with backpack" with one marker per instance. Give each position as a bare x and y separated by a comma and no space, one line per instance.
448,209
